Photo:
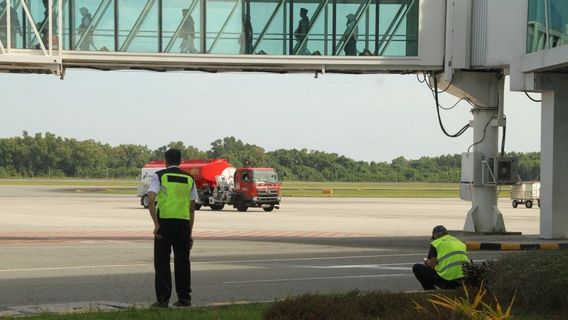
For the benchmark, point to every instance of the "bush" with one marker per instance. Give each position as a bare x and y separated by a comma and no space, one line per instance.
354,305
476,273
538,278
314,307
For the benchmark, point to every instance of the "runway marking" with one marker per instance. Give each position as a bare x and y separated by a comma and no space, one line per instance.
319,258
320,278
385,266
77,267
207,262
77,236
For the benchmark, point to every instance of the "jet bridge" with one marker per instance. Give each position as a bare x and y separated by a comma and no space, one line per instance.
386,36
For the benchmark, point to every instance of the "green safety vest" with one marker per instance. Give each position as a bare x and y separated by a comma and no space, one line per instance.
173,197
451,257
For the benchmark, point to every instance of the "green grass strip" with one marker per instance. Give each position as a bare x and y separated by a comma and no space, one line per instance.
289,188
69,182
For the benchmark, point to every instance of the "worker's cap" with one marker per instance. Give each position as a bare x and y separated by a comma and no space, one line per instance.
438,229
83,9
303,11
350,17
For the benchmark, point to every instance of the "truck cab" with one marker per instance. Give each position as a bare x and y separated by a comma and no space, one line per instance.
256,187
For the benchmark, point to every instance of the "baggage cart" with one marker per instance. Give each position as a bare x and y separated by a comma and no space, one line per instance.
526,193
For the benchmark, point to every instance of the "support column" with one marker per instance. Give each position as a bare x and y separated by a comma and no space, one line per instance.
554,157
485,90
484,216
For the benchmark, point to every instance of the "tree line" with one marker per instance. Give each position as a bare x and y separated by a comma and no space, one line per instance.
48,155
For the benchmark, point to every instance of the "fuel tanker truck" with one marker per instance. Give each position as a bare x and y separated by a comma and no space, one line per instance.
218,184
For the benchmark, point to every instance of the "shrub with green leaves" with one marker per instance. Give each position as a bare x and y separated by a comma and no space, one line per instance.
355,305
538,278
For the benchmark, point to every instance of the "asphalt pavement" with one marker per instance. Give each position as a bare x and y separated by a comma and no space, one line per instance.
68,249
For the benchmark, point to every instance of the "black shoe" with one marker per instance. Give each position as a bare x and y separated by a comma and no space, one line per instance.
182,303
159,305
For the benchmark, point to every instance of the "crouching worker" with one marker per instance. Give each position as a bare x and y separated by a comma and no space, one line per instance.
443,267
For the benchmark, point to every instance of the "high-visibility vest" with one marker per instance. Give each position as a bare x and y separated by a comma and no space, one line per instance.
451,257
174,195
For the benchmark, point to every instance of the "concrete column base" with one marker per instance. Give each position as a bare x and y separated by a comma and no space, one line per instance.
473,220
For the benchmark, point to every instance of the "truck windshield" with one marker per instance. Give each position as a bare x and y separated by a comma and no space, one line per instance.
265,176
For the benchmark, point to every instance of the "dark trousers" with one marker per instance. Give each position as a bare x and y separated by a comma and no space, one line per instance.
351,47
174,234
429,278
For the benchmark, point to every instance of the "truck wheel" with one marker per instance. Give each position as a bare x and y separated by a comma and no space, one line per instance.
515,203
528,204
144,201
240,204
538,202
217,207
197,206
268,209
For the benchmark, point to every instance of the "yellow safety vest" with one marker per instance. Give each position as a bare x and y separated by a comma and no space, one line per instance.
173,197
451,257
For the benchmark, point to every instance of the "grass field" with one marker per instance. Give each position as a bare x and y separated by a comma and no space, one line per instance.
376,190
289,188
69,182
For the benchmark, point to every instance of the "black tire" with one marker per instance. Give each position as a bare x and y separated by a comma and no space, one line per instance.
144,201
538,202
217,207
515,203
268,209
240,204
197,206
528,204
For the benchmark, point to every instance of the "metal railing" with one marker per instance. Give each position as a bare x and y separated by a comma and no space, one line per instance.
49,42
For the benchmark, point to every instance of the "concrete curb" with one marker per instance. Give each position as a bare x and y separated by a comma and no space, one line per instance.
474,245
64,308
97,306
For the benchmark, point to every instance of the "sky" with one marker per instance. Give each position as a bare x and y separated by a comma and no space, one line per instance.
364,117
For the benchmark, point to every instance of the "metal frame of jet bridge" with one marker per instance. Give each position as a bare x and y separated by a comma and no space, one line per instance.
394,36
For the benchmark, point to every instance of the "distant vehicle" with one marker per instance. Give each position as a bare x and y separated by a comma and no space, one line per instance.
525,193
219,184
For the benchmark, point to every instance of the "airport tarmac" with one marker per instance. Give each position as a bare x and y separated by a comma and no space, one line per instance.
64,247
32,210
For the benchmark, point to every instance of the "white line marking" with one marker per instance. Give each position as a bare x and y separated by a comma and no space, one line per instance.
320,278
386,266
248,261
318,258
212,262
78,267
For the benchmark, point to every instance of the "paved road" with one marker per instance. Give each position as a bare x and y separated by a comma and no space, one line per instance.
223,270
63,247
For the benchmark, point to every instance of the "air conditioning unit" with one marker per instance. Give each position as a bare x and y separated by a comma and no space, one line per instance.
499,171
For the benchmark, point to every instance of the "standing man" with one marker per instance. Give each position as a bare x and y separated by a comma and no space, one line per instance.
85,30
187,33
245,40
301,33
443,267
350,36
173,228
